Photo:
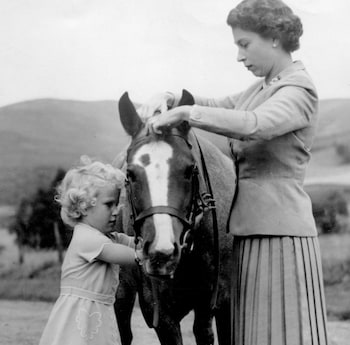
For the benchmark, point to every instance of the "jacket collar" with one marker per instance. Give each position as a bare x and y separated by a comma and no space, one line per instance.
295,66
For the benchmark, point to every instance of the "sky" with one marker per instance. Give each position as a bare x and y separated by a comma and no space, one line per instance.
96,50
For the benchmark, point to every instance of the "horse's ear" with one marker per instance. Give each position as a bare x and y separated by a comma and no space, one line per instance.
129,116
186,98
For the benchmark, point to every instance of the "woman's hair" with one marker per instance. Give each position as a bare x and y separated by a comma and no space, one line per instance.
269,19
79,188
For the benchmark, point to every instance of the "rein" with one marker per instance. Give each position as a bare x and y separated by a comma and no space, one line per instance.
215,226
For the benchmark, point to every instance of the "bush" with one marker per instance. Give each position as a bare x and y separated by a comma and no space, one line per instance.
343,150
331,212
36,218
336,271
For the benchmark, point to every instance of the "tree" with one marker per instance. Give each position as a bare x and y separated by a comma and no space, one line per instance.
37,218
343,151
20,225
328,212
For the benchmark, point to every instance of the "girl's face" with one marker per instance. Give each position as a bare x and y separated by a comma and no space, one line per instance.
257,53
102,216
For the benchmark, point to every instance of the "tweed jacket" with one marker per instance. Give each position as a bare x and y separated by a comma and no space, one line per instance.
271,130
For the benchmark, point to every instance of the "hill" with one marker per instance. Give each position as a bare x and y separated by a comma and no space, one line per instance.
39,136
334,123
331,150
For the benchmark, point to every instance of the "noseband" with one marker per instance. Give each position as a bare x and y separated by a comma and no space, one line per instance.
188,218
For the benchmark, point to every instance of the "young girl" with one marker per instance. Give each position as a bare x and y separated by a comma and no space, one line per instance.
84,313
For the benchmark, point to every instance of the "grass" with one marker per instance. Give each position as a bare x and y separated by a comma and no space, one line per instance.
337,301
336,274
30,289
39,277
335,258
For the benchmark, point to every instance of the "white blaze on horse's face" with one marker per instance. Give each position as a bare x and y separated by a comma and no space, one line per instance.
157,168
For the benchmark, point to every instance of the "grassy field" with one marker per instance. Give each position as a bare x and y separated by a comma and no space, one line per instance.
38,278
336,272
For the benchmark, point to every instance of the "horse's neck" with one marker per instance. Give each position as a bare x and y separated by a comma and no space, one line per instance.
221,172
211,153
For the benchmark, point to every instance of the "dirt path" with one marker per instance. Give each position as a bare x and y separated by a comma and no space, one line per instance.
21,323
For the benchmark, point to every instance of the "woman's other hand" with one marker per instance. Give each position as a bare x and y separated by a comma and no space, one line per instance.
171,118
159,103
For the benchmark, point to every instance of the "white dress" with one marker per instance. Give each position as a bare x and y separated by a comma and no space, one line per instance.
84,313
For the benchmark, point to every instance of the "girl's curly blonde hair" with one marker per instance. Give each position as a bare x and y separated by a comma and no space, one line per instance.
79,188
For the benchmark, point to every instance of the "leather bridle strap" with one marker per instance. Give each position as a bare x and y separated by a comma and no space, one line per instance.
187,220
215,226
161,209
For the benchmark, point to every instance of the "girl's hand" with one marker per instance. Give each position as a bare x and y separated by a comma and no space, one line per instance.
157,104
139,257
171,118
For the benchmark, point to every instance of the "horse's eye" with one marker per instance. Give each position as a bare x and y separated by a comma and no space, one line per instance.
130,175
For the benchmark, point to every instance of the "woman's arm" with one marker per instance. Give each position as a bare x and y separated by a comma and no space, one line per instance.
162,102
227,102
290,108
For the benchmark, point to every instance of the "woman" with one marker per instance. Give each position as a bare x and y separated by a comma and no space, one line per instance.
277,286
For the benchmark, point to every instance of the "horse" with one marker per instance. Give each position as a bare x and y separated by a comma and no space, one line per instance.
173,180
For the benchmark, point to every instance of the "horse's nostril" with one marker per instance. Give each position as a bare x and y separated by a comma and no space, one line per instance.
146,246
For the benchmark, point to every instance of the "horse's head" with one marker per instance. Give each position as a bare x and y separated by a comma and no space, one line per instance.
161,186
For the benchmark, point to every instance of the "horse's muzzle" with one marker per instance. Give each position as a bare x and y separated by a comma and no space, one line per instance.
162,265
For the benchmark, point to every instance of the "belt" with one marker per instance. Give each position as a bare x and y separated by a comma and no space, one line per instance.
86,294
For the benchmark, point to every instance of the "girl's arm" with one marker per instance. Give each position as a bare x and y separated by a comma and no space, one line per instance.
120,254
126,240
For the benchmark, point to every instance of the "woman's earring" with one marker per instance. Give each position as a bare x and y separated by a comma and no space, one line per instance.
274,45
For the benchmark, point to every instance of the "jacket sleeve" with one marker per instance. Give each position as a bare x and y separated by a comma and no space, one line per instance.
290,108
227,102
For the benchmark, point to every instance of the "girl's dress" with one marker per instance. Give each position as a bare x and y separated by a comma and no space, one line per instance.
84,312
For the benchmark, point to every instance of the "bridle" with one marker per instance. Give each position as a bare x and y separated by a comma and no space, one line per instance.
199,201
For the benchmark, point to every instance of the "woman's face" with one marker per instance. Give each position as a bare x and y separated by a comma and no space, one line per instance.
257,53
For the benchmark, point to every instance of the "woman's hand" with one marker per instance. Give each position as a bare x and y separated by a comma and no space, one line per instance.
171,118
157,104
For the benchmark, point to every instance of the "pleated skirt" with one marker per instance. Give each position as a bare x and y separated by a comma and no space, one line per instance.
277,292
